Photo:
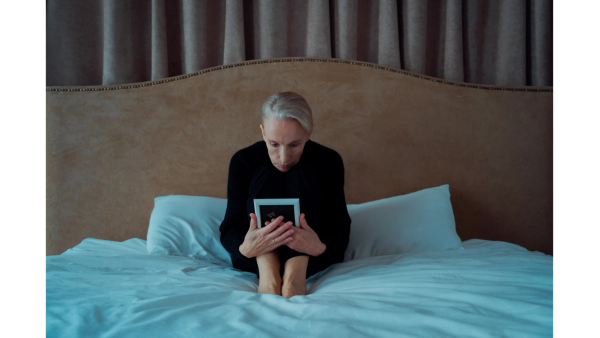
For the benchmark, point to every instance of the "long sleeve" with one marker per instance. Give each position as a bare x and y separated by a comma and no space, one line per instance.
336,220
236,223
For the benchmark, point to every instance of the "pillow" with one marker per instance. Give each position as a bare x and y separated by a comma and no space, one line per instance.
415,222
188,226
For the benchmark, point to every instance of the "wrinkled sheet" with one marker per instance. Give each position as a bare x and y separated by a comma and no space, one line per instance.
116,289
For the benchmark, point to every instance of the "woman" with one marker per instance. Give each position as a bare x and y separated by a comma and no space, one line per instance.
287,164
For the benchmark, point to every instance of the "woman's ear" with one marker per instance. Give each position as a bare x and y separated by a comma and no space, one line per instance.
263,131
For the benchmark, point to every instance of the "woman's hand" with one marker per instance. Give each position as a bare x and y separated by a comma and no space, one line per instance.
305,239
259,241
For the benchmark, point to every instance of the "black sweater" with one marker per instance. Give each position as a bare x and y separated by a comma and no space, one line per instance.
334,221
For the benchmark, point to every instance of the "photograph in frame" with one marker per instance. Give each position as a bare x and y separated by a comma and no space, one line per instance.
268,208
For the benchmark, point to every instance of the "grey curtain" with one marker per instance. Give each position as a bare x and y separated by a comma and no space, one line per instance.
500,42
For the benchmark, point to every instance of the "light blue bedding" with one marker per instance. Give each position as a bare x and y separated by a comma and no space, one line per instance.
116,289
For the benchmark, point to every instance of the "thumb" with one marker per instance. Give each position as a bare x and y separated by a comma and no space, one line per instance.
303,222
253,222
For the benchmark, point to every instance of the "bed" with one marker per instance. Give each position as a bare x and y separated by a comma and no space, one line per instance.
113,150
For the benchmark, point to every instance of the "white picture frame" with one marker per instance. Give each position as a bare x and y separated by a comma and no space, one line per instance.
261,203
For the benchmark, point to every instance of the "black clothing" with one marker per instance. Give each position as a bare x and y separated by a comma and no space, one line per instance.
300,182
317,179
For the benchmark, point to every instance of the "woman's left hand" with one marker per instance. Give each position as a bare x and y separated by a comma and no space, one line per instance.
305,239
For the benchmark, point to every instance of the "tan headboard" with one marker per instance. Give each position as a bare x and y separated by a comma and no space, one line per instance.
112,149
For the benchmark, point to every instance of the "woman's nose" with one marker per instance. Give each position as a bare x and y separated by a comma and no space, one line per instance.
284,156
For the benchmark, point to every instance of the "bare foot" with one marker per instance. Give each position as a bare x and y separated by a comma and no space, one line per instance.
269,287
293,288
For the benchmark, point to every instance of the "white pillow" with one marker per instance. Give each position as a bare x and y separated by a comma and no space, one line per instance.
188,226
415,222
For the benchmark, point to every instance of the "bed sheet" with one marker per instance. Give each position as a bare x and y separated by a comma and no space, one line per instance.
116,289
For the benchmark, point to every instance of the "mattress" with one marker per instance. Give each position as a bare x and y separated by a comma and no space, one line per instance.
116,289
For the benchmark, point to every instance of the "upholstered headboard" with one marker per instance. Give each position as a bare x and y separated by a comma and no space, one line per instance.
112,149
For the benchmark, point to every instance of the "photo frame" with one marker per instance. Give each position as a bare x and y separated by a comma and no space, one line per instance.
269,208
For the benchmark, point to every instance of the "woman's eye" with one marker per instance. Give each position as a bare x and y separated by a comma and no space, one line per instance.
275,145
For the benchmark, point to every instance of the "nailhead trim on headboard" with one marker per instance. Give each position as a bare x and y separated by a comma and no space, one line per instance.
246,63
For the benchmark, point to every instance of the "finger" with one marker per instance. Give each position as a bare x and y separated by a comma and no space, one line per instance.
269,222
280,230
303,222
273,224
283,238
284,235
253,221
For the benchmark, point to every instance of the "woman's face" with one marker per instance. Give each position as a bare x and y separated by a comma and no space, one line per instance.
285,141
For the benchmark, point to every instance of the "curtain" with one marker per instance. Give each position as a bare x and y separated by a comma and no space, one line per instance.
498,42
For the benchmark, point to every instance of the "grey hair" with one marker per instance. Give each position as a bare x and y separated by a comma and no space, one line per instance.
285,105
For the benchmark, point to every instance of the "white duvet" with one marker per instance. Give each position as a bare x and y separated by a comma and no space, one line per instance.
116,289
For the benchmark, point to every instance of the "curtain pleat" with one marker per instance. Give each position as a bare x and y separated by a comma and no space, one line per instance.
388,41
159,57
345,14
233,43
539,47
416,32
74,40
127,44
318,35
500,42
452,66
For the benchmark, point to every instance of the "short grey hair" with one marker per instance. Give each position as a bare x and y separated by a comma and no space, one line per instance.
284,105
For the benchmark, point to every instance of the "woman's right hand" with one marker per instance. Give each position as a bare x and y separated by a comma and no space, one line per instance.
259,241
